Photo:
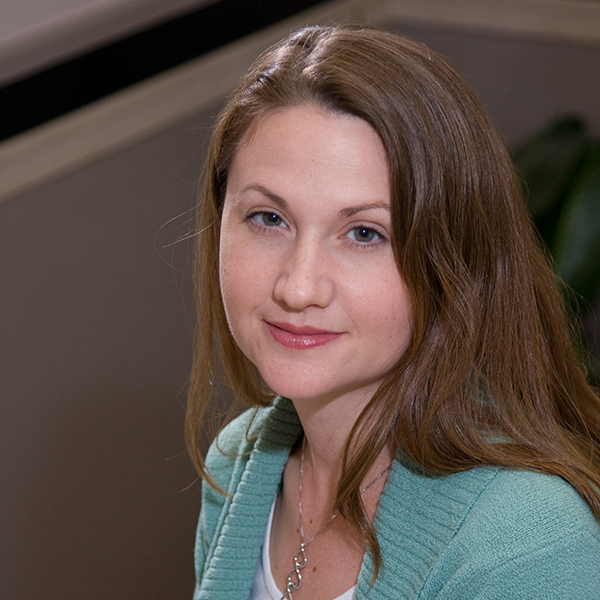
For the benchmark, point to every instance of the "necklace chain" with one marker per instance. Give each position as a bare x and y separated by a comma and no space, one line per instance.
294,578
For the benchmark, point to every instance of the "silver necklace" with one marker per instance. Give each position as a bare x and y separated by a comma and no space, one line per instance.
294,578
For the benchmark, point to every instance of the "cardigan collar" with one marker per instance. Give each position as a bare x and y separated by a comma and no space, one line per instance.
417,516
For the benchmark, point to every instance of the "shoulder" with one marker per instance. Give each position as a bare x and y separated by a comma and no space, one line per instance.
235,441
526,535
528,509
238,433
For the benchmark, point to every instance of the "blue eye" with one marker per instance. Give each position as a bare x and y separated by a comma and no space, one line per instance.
364,235
269,219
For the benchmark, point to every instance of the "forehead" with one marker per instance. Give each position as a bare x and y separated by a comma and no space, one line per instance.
300,119
331,151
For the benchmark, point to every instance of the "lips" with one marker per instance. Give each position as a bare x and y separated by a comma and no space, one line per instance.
300,338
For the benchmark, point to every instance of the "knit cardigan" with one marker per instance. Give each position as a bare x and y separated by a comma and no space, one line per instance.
486,533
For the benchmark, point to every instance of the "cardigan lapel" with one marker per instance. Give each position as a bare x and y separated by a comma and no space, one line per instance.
233,564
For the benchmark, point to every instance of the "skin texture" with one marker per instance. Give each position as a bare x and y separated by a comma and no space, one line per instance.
305,244
314,299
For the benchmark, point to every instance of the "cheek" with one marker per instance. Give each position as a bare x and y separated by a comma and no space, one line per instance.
402,314
382,303
241,277
232,277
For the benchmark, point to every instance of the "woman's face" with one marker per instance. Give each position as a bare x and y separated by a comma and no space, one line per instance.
311,290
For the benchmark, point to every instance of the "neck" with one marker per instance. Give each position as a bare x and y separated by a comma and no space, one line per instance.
327,426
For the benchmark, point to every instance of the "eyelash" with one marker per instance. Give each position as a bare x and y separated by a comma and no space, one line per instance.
254,222
254,219
366,245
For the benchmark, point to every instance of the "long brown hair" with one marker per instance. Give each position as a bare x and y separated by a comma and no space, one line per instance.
490,376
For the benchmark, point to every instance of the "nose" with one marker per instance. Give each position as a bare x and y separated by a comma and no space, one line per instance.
306,277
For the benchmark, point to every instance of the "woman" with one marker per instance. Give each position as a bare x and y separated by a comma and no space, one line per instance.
422,427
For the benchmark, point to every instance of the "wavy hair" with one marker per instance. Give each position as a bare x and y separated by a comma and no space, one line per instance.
490,376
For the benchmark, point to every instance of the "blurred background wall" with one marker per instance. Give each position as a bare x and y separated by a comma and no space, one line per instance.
97,496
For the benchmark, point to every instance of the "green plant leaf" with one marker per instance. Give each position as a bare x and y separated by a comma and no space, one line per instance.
577,247
546,161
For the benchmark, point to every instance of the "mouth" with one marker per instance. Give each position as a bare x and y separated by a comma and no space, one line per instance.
300,338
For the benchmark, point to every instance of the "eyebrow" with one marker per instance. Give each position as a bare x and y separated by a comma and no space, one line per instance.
344,213
352,210
268,193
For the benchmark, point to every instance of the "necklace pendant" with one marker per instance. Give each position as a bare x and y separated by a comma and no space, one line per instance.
294,578
300,558
294,581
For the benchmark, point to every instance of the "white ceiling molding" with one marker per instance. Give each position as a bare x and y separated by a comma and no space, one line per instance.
36,34
120,120
86,135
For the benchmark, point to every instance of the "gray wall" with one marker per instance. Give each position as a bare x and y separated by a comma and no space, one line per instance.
523,83
98,497
95,353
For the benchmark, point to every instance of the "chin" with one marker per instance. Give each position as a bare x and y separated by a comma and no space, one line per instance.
298,388
296,392
306,387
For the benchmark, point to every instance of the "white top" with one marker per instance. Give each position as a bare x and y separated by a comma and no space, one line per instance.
264,586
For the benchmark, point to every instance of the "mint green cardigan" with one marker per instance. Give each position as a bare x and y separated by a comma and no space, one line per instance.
487,533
